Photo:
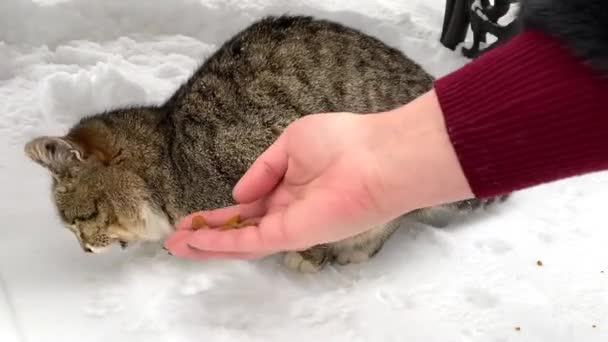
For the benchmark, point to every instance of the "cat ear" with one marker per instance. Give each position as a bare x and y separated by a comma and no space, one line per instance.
55,153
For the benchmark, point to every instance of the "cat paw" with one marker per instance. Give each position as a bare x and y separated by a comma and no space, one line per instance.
296,261
308,261
353,256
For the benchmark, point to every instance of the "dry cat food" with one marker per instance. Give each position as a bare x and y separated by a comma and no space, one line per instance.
199,222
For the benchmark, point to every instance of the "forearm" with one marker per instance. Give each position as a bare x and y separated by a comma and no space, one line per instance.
526,114
523,115
530,112
534,110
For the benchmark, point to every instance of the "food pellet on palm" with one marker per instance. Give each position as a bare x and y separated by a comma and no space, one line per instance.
199,222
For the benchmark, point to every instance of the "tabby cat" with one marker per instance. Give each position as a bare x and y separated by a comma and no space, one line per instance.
131,174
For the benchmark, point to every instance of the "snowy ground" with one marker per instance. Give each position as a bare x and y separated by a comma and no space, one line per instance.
476,281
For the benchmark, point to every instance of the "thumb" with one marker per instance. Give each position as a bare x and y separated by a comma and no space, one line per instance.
265,173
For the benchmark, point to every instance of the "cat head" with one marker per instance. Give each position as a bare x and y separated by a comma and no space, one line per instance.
99,200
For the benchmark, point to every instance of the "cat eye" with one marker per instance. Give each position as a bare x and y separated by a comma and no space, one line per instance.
82,217
86,217
50,148
91,215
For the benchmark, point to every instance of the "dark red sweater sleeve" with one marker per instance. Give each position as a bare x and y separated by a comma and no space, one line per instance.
524,114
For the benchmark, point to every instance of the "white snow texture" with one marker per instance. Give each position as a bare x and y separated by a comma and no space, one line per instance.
474,281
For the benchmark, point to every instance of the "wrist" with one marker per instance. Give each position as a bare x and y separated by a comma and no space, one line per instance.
418,166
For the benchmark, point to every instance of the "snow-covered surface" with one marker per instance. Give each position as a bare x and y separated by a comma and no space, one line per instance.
475,281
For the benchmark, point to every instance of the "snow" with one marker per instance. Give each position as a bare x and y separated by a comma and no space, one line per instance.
473,281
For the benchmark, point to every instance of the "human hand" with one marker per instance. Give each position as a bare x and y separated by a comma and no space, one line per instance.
326,178
314,184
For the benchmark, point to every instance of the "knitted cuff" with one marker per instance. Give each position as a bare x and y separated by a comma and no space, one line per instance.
525,113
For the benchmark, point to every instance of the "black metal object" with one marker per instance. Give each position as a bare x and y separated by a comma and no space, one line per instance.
482,17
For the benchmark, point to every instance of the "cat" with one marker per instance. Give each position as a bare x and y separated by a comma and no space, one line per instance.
131,174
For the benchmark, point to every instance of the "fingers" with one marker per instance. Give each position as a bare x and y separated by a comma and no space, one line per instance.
267,237
178,245
218,217
264,175
320,218
288,228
